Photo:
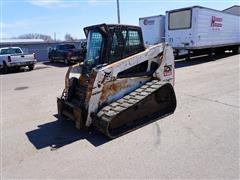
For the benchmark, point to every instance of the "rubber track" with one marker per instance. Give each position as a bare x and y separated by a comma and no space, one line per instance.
109,112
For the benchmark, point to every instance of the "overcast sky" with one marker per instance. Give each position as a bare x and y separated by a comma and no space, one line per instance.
70,16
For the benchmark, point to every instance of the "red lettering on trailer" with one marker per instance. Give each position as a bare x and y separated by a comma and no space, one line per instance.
216,22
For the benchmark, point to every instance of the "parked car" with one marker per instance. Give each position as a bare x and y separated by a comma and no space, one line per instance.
13,57
66,53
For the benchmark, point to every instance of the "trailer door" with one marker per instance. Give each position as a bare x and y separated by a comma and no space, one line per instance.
179,28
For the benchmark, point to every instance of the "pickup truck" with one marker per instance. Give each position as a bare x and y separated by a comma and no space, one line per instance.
67,53
13,57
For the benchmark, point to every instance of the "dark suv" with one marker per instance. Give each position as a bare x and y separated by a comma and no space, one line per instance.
67,53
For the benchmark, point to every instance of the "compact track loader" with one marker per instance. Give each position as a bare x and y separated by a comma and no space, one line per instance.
121,85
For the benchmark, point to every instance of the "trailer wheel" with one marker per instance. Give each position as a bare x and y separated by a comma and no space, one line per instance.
212,55
5,68
188,57
236,50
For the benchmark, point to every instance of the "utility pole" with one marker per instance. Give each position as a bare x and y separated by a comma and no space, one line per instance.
55,36
118,12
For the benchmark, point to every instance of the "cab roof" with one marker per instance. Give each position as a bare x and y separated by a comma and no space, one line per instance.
105,27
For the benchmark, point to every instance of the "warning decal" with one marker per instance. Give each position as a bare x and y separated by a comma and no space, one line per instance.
167,70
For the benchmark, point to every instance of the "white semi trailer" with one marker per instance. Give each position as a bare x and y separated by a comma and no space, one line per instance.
233,10
153,29
197,30
193,30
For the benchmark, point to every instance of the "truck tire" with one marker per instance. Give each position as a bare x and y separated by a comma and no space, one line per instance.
211,55
51,59
5,68
66,62
17,68
236,50
31,67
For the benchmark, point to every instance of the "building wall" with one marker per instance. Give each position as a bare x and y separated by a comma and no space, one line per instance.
40,49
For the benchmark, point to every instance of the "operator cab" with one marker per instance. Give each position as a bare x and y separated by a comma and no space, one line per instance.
107,44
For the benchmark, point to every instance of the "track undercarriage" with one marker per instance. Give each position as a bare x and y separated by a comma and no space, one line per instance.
146,104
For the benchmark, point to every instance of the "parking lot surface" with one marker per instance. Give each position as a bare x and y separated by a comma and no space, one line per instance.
200,140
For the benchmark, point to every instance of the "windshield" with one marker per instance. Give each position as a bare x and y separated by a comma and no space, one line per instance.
94,45
11,51
66,47
180,19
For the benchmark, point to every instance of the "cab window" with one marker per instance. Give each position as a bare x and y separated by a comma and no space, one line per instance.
133,43
118,40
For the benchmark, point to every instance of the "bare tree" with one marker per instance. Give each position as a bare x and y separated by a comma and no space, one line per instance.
68,37
35,36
